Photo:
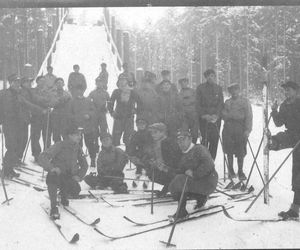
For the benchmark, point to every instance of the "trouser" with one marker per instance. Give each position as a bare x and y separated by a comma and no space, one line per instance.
191,124
160,177
210,136
98,180
123,126
22,141
90,140
38,125
66,185
12,134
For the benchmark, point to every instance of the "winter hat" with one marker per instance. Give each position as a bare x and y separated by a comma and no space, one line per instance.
73,129
290,84
158,126
141,118
183,133
233,86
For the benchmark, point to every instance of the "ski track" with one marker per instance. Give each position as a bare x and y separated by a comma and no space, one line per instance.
24,225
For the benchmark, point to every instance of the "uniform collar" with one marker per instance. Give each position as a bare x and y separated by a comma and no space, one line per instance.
190,147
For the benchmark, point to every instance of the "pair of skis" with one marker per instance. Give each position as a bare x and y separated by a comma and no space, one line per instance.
192,216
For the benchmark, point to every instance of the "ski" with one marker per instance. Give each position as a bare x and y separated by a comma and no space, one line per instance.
75,214
23,171
164,220
248,220
30,169
144,198
27,183
74,238
101,198
159,227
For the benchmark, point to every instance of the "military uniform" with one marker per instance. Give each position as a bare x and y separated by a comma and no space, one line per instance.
209,100
76,83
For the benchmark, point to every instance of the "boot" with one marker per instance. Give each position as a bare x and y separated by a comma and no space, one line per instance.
54,214
64,201
182,213
241,175
201,201
163,192
13,174
292,213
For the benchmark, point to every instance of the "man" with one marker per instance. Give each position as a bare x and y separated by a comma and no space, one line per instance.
58,118
162,157
209,104
128,75
66,166
100,98
123,113
82,112
289,116
14,108
103,76
198,165
50,78
188,99
237,115
148,105
166,76
111,162
170,109
76,81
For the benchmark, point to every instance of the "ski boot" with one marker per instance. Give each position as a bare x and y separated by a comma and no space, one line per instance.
54,214
162,192
122,189
201,201
242,176
64,201
291,214
12,174
182,214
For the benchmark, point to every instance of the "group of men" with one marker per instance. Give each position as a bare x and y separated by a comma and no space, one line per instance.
169,123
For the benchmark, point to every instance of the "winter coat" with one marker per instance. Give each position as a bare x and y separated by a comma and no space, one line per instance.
111,159
209,99
49,80
104,76
158,88
100,98
76,81
77,108
148,106
188,99
205,177
124,109
138,143
67,156
288,115
238,112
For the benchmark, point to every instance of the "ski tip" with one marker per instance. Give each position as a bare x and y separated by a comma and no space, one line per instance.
96,222
75,238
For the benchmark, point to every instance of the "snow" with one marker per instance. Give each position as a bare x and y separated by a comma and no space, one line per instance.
24,225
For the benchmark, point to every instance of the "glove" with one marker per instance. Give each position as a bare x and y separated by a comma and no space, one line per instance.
189,173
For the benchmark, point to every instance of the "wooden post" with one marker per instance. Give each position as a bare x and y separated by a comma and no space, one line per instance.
139,75
119,44
40,54
126,57
113,31
58,18
54,28
49,43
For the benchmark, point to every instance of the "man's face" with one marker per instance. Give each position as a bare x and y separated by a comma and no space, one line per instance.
157,134
107,142
234,92
99,84
166,86
290,93
60,84
184,84
50,71
211,78
123,84
41,81
184,143
75,137
16,84
141,125
76,69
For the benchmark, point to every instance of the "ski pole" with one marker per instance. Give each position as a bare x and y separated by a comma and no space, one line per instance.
256,156
46,140
176,215
266,184
26,149
255,160
122,178
2,172
152,190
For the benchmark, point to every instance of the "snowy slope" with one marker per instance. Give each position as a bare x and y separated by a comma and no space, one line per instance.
24,225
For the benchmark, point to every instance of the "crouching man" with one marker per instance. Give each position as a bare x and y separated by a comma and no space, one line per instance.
197,163
110,165
66,166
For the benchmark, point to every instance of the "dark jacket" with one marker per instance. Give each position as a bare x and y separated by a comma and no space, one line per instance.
138,143
67,156
158,88
104,76
188,99
77,108
111,159
76,81
100,98
122,109
288,115
209,99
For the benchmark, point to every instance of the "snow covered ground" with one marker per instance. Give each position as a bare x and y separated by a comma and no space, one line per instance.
24,225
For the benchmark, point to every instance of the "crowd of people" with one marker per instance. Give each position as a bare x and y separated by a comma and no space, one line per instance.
170,122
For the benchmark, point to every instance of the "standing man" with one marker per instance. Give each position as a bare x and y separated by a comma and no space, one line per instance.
166,76
237,115
50,78
103,76
196,163
209,104
129,75
76,81
289,116
188,99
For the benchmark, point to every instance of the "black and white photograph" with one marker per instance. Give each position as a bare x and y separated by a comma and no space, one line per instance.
147,124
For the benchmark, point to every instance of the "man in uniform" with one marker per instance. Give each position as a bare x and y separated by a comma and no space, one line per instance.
76,81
